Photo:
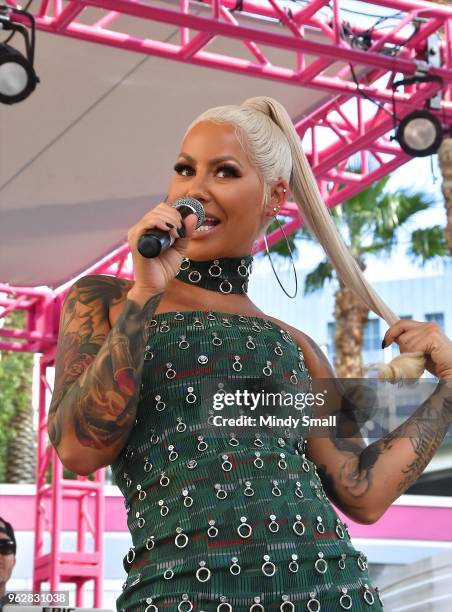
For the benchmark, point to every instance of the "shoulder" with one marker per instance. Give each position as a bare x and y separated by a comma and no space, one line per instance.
98,291
315,359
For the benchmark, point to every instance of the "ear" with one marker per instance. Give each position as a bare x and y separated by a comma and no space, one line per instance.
277,198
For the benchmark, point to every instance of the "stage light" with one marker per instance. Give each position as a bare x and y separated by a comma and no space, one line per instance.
419,133
17,76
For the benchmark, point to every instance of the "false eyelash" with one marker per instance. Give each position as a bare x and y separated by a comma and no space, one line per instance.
230,169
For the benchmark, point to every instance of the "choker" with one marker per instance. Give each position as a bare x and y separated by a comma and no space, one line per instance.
225,274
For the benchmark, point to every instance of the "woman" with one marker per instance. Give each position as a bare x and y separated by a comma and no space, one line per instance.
223,517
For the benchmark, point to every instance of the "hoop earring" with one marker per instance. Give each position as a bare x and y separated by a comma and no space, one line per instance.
291,259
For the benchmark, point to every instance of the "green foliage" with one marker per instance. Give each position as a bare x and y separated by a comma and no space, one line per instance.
428,243
16,375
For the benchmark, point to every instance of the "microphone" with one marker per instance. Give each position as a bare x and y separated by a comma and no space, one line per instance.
154,241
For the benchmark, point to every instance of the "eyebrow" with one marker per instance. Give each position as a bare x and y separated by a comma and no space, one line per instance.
211,162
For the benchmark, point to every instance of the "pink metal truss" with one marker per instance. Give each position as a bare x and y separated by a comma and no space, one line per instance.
329,50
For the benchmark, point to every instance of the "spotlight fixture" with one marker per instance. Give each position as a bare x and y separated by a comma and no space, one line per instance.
17,76
419,133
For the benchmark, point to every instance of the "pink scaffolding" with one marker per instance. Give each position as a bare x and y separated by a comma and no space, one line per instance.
339,129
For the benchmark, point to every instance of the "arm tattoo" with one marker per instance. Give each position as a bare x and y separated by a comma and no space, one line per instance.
386,468
98,374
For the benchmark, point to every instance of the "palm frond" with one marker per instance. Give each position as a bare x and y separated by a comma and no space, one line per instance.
427,243
315,280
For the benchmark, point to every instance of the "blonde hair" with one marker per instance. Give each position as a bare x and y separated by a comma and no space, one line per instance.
273,146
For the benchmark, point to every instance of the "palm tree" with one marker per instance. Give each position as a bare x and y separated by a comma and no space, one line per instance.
376,215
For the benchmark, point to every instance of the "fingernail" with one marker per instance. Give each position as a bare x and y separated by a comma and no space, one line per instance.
181,232
169,224
383,344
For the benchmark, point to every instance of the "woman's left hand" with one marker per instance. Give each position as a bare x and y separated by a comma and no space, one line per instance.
429,338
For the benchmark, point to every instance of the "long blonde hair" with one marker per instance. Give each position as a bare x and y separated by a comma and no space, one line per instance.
274,147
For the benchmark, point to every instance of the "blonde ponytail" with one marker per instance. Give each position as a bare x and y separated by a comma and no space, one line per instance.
268,132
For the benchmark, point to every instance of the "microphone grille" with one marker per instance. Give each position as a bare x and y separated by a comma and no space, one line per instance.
194,205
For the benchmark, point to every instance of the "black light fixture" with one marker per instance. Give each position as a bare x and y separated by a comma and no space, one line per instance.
17,76
419,133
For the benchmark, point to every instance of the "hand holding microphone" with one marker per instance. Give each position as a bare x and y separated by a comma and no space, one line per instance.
156,236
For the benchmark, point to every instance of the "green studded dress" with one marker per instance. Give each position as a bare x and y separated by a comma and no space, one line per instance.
227,517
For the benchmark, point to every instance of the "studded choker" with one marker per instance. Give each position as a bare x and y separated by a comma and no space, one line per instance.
227,274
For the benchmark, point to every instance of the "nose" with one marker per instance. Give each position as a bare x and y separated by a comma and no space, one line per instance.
198,188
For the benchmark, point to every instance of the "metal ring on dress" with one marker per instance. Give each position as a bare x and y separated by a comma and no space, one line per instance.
181,426
339,529
197,323
266,370
149,544
286,604
246,526
147,465
361,563
298,526
341,561
233,441
224,606
273,526
183,343
194,276
204,569
313,604
248,491
130,558
180,536
250,344
151,607
185,605
164,327
368,595
237,366
321,565
190,395
216,340
160,405
163,509
293,565
271,568
186,261
235,568
168,574
173,455
275,489
226,464
258,461
282,463
298,491
257,441
345,601
221,493
188,501
170,372
164,480
257,606
320,526
202,445
212,531
294,377
179,316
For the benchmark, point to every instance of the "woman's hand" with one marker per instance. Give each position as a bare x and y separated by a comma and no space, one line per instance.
412,336
153,275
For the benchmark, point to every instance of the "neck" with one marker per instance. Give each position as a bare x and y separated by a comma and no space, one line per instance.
185,297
